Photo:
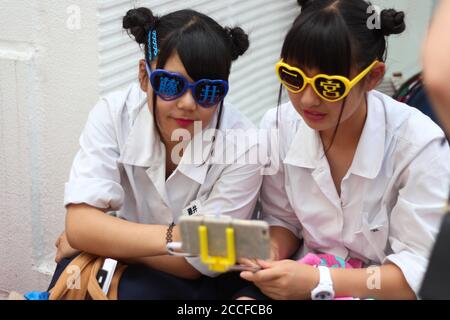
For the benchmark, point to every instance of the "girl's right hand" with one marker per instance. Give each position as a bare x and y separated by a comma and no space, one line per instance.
245,264
253,263
64,250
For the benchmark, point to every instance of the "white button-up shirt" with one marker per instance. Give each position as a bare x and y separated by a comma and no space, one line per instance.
392,197
121,167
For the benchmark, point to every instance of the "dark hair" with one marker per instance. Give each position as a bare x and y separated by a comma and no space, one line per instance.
333,36
205,48
194,36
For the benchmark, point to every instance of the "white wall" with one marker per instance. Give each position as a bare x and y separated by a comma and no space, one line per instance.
52,73
48,83
404,50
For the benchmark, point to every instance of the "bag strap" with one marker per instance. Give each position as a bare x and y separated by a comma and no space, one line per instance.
87,267
94,290
114,288
73,273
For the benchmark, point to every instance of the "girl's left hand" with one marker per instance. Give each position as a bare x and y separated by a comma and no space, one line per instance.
63,248
285,279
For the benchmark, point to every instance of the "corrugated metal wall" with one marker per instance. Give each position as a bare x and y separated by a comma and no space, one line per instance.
253,83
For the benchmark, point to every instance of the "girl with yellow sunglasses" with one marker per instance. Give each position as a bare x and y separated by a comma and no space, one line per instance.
362,177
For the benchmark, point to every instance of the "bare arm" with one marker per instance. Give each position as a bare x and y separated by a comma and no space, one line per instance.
91,230
284,243
383,282
288,279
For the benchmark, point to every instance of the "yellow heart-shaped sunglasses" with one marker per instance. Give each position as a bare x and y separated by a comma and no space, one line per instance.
329,88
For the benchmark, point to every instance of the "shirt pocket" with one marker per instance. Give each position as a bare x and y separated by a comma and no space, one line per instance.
373,235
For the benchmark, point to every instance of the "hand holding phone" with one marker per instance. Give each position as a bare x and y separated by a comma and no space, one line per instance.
251,237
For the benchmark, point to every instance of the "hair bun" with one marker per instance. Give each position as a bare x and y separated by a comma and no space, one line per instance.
239,40
392,22
138,22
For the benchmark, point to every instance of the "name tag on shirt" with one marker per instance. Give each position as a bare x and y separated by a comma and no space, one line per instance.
193,209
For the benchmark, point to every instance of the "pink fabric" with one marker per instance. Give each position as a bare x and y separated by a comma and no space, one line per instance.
331,261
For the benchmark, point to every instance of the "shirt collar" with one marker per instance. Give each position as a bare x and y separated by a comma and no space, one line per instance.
144,148
306,149
370,152
193,166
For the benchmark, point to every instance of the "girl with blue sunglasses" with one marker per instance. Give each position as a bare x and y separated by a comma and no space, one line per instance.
126,161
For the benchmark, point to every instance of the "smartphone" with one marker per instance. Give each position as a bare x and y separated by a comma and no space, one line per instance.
252,239
105,274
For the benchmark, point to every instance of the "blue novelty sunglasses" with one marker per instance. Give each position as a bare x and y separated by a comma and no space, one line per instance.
170,86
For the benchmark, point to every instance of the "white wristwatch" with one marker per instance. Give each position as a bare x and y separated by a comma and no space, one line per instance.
324,291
